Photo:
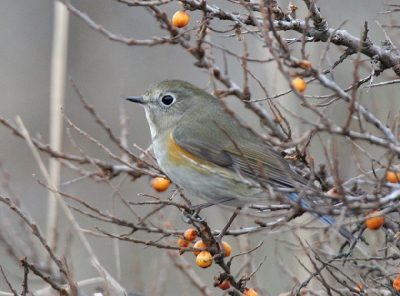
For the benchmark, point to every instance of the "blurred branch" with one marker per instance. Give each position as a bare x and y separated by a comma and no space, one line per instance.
354,271
57,93
387,58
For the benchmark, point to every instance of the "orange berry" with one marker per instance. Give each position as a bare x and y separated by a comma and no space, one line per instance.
375,222
227,248
359,287
183,242
396,283
180,18
204,259
225,285
333,191
160,184
393,177
304,64
249,292
199,245
190,235
299,84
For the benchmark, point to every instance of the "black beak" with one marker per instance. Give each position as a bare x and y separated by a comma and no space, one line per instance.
139,100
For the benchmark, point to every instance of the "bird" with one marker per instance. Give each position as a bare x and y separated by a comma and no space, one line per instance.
210,153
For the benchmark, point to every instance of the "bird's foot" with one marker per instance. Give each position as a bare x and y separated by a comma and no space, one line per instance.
191,214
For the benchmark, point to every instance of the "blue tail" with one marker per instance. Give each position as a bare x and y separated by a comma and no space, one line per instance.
326,219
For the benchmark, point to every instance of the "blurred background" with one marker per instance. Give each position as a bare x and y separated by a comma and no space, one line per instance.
105,72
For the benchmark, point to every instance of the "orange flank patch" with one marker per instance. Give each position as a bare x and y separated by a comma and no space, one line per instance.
178,155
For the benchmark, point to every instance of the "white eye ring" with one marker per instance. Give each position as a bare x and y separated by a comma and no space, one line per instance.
167,100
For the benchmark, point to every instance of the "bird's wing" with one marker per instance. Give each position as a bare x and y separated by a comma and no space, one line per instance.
254,160
263,161
208,151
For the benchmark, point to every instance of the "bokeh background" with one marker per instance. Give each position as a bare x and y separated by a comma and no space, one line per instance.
105,72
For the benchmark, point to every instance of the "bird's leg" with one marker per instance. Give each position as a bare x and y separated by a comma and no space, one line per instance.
192,213
193,216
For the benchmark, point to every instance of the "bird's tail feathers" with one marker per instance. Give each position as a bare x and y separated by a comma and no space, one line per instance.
326,219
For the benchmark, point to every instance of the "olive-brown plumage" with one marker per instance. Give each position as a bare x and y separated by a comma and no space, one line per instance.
205,150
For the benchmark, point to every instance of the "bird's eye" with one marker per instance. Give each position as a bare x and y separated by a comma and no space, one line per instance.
167,100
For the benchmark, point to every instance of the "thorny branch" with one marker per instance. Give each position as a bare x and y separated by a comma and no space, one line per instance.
350,201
